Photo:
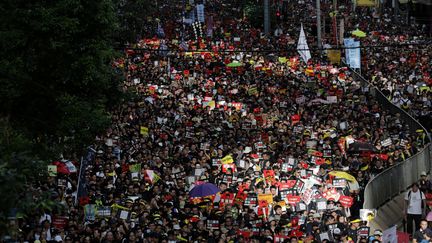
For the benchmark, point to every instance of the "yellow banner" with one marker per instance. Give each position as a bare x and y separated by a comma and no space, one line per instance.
334,56
366,3
265,197
144,131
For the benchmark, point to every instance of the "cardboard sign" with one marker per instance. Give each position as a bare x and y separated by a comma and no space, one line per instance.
331,194
253,90
144,131
213,224
325,236
346,201
307,196
240,198
293,200
300,100
332,99
227,198
363,231
251,200
387,142
59,222
287,185
339,183
367,214
52,170
299,185
265,197
280,238
216,162
321,204
300,207
226,167
104,211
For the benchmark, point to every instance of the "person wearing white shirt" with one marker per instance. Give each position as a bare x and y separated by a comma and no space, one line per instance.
414,207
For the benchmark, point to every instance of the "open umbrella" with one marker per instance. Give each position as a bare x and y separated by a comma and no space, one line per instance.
342,174
204,190
359,33
362,147
234,64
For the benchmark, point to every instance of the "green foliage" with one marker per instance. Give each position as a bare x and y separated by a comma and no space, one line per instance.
19,170
56,55
57,85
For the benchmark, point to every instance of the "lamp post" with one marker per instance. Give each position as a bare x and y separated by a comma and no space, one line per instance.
266,17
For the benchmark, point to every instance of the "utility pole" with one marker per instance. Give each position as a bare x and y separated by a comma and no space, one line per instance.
318,7
266,17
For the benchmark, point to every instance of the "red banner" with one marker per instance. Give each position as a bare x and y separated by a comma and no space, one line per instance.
59,222
289,184
293,199
346,201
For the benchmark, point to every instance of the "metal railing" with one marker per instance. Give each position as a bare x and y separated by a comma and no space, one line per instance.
396,179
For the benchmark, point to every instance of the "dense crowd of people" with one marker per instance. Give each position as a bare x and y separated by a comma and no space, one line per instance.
404,74
289,145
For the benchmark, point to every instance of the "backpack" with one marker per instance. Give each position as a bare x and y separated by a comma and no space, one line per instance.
421,198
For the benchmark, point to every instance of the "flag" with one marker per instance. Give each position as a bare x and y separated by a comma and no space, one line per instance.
89,212
153,177
302,46
82,195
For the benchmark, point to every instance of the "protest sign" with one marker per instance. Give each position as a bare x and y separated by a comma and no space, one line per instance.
363,231
367,214
346,201
265,197
144,131
52,170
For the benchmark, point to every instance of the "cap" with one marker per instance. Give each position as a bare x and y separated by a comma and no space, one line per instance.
58,238
378,232
355,221
423,173
337,231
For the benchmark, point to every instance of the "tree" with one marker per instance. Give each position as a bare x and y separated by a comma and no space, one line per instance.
57,85
56,76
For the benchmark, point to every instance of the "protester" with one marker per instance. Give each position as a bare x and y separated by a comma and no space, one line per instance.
424,232
414,207
290,144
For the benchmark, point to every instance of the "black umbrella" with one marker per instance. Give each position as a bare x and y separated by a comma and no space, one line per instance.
362,147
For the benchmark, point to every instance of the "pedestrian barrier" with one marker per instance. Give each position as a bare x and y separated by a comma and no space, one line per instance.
396,179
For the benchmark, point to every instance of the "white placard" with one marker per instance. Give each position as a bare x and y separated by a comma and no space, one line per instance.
332,99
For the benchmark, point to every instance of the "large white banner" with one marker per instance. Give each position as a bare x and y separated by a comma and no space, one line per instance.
200,13
352,52
302,46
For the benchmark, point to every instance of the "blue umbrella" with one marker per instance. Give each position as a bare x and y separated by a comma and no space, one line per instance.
204,190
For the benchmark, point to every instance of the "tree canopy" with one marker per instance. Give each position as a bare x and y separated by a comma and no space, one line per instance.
57,85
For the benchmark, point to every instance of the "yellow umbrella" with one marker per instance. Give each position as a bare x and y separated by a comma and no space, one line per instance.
358,33
344,175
